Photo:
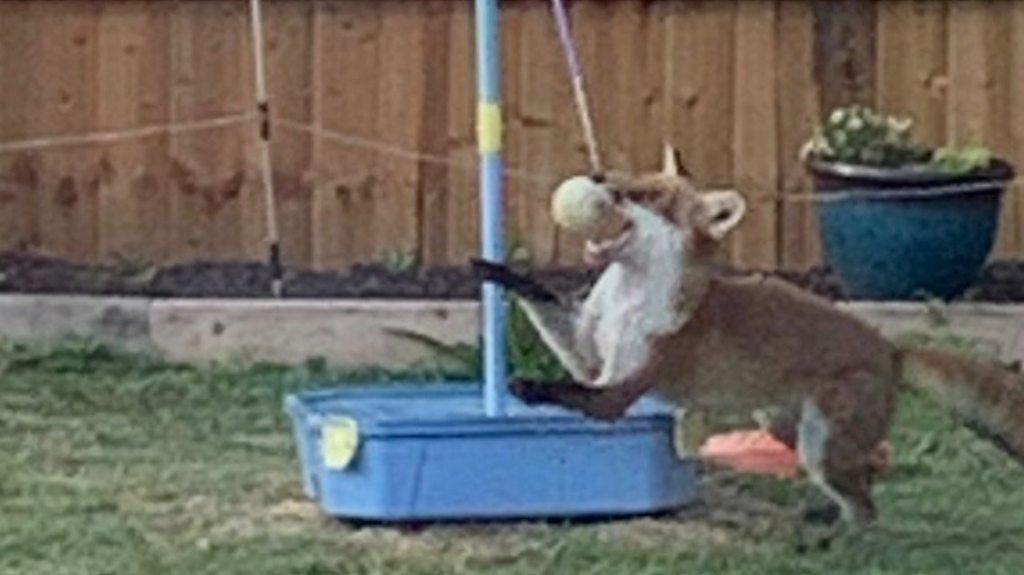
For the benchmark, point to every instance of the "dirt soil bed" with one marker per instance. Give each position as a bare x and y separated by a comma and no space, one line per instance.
1001,281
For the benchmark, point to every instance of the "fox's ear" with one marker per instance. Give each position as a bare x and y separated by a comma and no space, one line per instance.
672,162
722,211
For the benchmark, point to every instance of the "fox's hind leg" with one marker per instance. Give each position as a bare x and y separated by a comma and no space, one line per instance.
839,435
782,425
840,470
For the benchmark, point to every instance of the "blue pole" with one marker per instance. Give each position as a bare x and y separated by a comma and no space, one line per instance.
489,128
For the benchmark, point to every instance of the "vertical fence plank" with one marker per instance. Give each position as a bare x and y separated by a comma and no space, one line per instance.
978,106
65,92
19,33
541,67
653,86
401,77
844,52
699,60
517,197
755,133
607,100
798,112
211,179
135,74
343,216
623,104
462,219
435,195
911,59
1016,105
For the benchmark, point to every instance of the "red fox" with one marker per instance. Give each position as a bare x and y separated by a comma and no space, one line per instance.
661,318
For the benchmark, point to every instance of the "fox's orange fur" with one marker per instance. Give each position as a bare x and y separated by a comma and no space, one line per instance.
744,343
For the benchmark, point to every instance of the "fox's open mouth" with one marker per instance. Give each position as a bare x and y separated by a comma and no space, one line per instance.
600,252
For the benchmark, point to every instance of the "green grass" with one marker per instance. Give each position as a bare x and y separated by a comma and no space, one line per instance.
119,464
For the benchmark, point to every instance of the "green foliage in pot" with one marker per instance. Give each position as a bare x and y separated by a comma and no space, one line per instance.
961,160
862,136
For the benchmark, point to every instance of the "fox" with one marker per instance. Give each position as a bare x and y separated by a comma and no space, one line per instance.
664,318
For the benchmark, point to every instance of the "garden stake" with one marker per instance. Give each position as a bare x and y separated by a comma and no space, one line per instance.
266,171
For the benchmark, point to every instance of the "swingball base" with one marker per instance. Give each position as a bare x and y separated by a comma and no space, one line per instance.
413,452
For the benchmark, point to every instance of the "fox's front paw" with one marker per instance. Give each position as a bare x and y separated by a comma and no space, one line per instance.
529,391
606,413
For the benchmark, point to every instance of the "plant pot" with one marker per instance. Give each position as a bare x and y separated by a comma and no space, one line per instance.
907,233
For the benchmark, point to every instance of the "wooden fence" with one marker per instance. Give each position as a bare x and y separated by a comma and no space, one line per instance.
374,148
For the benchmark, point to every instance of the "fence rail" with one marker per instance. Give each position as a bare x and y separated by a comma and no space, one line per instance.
125,127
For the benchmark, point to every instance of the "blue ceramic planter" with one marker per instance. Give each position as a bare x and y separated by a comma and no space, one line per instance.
907,234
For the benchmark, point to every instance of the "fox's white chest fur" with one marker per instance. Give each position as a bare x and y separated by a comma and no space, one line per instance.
607,340
635,299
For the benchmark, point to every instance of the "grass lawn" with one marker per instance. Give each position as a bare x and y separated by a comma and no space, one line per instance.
118,464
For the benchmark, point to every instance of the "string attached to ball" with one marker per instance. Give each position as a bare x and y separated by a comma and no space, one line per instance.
578,91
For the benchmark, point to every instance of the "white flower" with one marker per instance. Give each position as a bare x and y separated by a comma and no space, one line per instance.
807,149
900,124
837,117
855,124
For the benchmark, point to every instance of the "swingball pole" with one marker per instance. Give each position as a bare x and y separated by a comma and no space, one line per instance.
489,135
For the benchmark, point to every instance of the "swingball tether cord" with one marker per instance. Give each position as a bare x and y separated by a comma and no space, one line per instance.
578,91
266,171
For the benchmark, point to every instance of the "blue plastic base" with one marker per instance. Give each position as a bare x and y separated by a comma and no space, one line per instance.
427,452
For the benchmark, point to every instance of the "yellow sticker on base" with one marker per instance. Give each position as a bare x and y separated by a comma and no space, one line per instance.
340,442
690,431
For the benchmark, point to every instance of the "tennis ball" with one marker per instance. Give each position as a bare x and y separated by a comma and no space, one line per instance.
581,205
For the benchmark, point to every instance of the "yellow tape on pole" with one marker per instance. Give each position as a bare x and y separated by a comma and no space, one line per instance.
488,127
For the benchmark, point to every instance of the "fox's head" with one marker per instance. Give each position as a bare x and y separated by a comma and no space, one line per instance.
662,215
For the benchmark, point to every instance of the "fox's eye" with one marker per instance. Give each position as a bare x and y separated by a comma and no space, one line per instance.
651,197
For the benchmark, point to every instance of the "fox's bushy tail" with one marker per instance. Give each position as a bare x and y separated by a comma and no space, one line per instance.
986,393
